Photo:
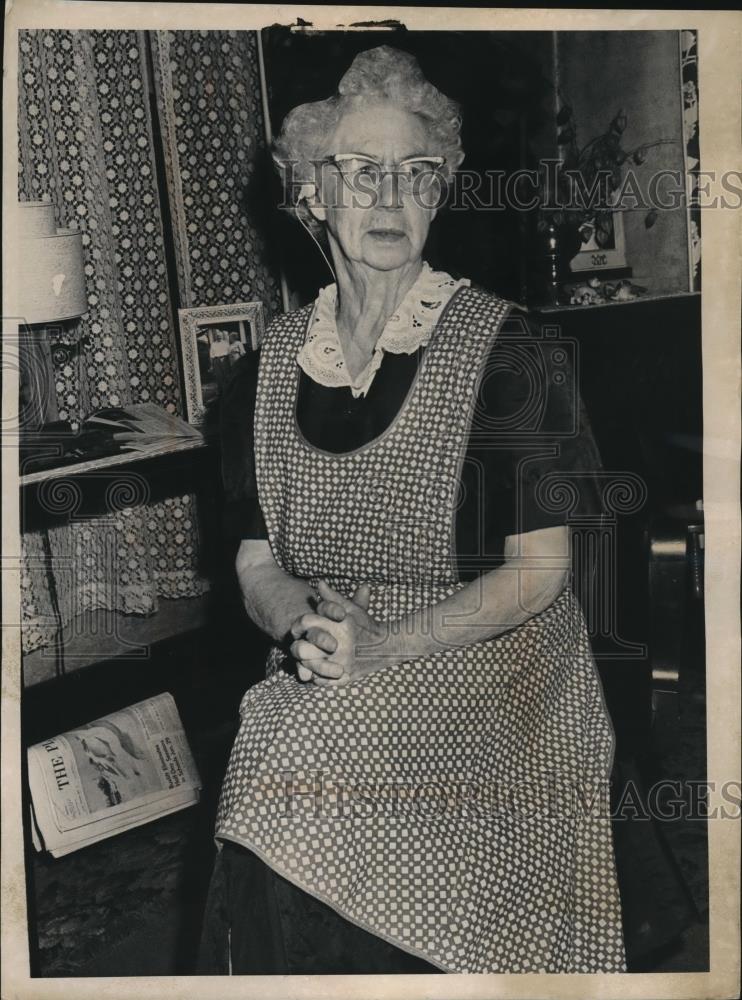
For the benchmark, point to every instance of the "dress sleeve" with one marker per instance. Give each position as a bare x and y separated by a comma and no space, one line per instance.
242,515
540,464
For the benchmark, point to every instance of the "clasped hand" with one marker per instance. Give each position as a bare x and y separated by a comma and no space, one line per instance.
327,642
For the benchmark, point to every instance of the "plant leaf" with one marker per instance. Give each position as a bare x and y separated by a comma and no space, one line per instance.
619,123
604,230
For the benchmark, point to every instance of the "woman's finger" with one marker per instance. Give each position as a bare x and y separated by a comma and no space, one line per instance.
312,620
323,681
304,673
324,668
297,628
362,596
303,650
342,681
322,639
304,622
332,610
327,593
332,682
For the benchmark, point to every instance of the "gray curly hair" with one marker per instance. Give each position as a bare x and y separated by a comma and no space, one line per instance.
382,73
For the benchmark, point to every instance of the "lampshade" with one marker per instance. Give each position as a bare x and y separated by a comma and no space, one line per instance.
51,274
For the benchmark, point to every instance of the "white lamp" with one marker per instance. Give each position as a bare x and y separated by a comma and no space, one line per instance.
51,289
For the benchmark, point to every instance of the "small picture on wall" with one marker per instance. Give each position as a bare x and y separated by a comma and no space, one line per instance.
611,254
214,338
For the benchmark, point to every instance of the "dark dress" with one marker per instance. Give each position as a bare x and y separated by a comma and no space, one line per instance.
272,924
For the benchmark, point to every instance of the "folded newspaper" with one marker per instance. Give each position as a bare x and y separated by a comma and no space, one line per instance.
110,775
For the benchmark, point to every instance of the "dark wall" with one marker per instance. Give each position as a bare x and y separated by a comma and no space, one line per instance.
641,378
640,373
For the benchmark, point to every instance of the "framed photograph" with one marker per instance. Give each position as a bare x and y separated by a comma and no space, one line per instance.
596,258
213,339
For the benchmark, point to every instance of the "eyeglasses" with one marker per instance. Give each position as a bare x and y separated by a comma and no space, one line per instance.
364,174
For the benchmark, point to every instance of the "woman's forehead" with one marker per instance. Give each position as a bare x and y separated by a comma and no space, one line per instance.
381,129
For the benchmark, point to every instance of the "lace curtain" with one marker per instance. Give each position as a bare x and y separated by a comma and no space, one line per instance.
87,143
210,111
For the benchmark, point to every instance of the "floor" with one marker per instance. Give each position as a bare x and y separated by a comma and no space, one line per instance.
132,905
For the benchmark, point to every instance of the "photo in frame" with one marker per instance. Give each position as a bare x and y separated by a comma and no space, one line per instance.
213,339
592,257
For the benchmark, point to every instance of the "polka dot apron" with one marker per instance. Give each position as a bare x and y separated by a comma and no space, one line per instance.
457,805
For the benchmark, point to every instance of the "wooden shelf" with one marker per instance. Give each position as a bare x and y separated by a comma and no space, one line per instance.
639,300
173,467
114,461
97,636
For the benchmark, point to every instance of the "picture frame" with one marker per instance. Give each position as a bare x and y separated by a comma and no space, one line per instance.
213,338
594,258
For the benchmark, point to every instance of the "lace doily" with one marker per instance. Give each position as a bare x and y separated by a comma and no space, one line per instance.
407,329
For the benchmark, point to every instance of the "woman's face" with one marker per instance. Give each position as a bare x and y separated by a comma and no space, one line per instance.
386,230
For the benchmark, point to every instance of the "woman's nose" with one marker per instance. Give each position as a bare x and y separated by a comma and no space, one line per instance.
389,196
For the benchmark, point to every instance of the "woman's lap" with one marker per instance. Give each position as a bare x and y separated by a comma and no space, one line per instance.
273,927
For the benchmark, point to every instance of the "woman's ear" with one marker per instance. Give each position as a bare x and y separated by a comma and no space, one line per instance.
308,194
318,210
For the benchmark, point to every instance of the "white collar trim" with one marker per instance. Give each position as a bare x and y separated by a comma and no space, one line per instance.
406,330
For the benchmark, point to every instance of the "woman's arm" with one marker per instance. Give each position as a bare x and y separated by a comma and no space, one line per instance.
534,574
272,598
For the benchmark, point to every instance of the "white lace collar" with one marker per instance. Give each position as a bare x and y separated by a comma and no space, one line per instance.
407,329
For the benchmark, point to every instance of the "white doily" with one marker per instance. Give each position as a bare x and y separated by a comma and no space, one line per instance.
407,329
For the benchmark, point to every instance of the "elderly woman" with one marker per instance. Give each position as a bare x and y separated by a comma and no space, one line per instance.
413,787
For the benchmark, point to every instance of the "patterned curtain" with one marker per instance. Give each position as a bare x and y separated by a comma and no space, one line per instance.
208,95
87,143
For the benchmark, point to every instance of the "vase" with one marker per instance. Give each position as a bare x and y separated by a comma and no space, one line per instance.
558,245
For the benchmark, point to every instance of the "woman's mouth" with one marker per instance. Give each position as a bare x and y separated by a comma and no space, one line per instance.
387,235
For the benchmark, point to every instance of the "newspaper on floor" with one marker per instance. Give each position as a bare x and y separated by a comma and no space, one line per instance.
110,775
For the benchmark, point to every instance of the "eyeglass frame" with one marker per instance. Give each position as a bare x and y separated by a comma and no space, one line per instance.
337,158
